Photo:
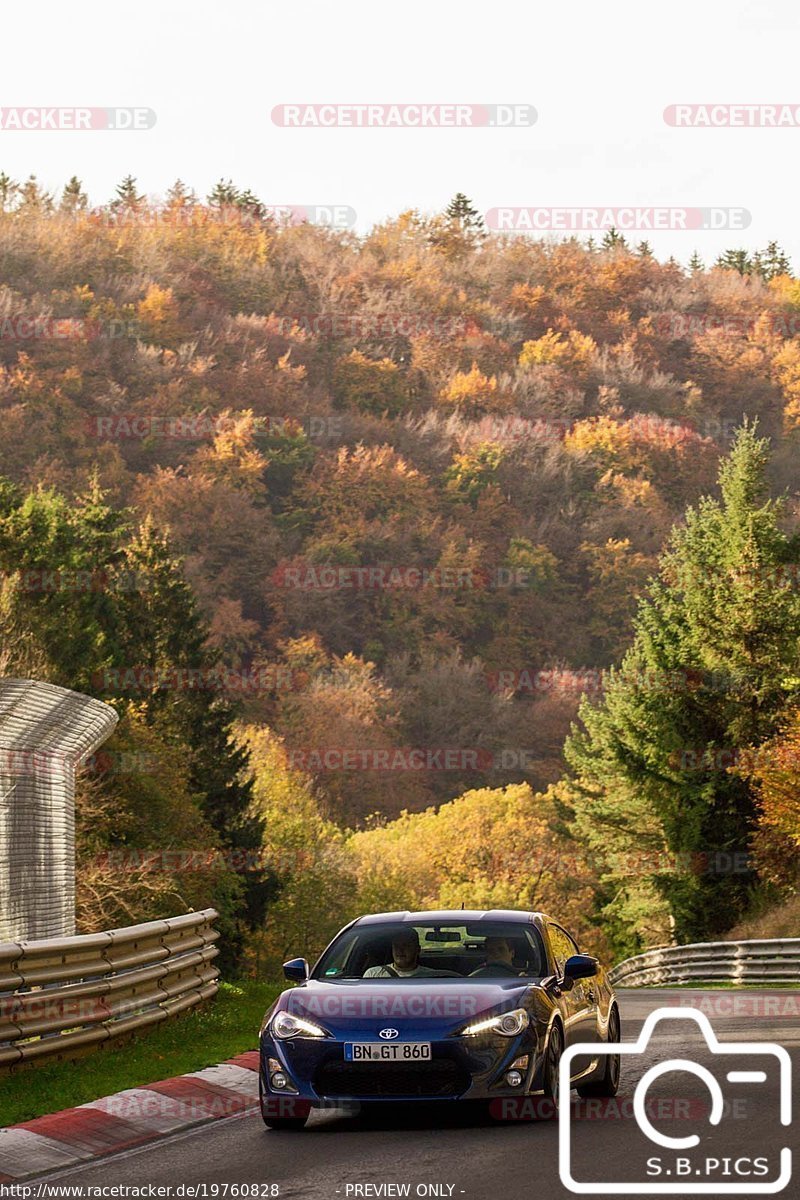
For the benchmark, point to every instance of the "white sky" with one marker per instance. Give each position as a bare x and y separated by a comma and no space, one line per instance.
599,76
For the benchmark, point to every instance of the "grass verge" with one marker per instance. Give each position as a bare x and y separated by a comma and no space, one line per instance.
226,1026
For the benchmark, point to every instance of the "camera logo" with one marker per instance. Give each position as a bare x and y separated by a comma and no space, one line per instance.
680,1168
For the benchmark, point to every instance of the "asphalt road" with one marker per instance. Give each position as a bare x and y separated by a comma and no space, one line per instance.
467,1154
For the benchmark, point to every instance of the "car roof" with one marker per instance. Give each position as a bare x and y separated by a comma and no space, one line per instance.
455,915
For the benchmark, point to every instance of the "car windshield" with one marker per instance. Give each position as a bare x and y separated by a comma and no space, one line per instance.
434,949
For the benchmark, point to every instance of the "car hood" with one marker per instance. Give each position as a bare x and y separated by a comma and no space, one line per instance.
416,1007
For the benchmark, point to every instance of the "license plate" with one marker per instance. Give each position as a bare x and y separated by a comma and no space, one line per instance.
379,1052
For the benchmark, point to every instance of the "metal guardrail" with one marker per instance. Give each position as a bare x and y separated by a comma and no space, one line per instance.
759,961
62,996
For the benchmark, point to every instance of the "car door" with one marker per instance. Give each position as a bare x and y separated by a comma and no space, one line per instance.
579,1003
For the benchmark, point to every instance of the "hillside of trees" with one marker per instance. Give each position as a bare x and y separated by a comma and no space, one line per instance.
424,566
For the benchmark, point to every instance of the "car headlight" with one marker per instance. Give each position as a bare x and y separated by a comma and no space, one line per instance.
288,1025
508,1024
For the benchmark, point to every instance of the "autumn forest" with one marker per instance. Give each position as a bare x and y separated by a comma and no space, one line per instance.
424,566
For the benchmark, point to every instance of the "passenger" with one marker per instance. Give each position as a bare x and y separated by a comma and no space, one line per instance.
499,958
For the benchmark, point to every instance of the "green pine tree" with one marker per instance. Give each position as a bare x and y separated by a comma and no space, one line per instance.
179,196
163,632
163,636
224,194
735,260
696,263
9,190
55,557
614,240
73,197
458,230
773,262
461,211
33,197
128,199
715,658
249,204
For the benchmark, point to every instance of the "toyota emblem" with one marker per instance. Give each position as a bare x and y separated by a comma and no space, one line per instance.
388,1034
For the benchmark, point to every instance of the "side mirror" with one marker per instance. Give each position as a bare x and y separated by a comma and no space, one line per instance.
580,966
296,969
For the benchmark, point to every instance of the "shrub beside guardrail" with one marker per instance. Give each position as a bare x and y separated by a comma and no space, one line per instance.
757,962
60,997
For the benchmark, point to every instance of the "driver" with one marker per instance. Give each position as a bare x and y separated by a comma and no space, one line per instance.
405,959
499,958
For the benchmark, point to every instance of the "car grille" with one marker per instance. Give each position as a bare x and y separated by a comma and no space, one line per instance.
439,1077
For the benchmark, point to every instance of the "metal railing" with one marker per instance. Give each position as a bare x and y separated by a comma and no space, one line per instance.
759,961
45,733
60,997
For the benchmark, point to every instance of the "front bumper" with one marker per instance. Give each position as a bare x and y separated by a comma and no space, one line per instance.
459,1069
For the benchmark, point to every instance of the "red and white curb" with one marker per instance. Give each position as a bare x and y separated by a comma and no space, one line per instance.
128,1119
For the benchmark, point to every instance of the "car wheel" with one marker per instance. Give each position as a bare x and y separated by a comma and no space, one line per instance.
609,1084
548,1102
282,1112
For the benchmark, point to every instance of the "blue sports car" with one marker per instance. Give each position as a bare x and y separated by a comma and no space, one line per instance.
448,1005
